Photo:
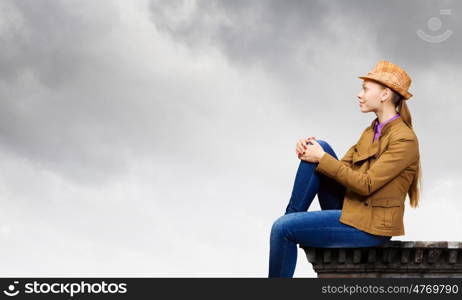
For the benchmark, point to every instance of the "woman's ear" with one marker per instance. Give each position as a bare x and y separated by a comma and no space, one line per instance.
386,93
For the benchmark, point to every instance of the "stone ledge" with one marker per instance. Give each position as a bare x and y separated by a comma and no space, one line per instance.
399,259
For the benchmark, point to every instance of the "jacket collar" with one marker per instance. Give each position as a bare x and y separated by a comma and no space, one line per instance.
366,147
386,127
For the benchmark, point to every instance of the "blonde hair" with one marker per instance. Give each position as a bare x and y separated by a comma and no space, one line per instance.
415,189
416,185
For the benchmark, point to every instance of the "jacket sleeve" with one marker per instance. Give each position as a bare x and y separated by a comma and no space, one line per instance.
399,155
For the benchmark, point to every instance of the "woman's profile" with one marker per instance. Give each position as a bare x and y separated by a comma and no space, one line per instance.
362,195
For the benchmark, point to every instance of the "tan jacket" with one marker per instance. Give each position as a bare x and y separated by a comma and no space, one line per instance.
377,176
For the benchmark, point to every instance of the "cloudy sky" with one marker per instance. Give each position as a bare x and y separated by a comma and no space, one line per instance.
156,138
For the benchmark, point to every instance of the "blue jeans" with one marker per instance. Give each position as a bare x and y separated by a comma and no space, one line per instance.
313,228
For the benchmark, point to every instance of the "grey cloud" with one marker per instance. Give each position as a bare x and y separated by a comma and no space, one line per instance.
270,32
52,40
58,109
248,32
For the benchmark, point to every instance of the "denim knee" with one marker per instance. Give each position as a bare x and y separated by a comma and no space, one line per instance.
323,144
280,226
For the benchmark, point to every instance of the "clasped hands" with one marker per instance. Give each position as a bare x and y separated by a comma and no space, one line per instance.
309,150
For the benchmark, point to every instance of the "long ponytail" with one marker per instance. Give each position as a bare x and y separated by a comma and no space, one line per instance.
416,185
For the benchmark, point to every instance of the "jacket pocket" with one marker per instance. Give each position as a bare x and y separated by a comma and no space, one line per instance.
362,153
386,213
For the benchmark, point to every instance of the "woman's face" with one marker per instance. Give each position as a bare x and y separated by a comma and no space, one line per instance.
369,96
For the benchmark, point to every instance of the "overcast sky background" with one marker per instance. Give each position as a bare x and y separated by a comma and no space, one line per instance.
156,138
